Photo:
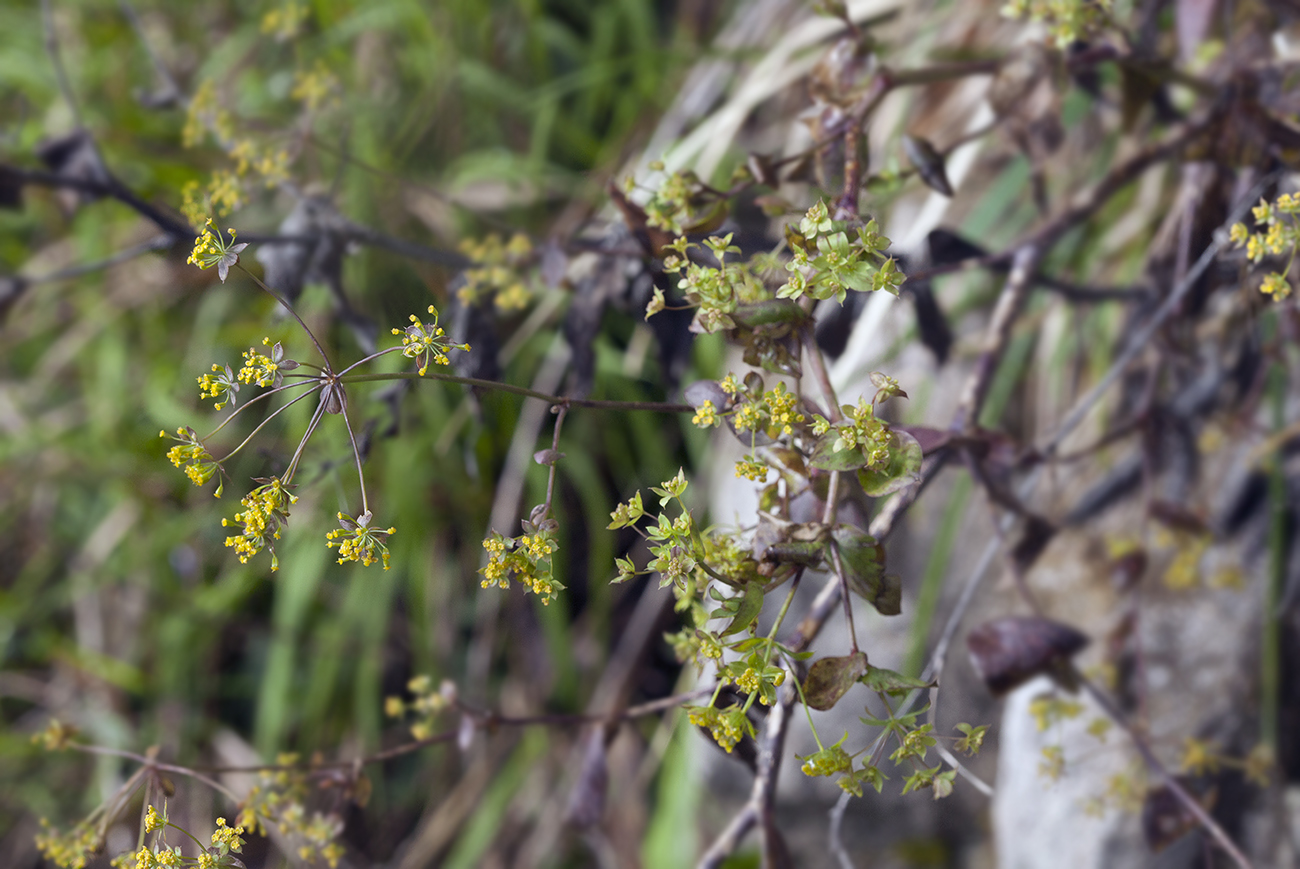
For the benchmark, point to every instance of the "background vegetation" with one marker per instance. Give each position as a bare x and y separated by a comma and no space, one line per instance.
422,125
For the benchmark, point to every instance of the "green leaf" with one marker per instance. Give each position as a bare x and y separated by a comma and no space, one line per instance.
973,740
892,683
864,568
943,783
747,609
829,679
922,778
873,776
827,457
904,463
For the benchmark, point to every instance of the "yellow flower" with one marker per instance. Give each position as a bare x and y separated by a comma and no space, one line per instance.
227,838
426,344
752,470
1275,285
213,250
706,416
357,541
1262,212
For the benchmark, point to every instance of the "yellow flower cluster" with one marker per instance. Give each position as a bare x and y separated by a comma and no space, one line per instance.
205,113
748,417
225,192
828,761
781,411
71,850
706,416
1068,21
285,22
429,701
271,164
727,727
213,250
1280,235
266,509
357,541
865,433
426,344
261,370
190,454
314,87
221,385
206,246
227,837
750,469
526,559
496,571
225,189
497,272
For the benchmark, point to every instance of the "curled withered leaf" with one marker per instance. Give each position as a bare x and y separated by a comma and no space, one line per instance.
1010,651
829,679
928,163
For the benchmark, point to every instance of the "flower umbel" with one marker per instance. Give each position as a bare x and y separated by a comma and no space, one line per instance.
227,838
265,370
214,250
426,344
220,385
190,454
266,509
526,558
357,541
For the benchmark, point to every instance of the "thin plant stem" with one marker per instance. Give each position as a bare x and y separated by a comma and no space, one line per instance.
263,423
555,448
594,403
356,452
254,400
288,307
371,358
316,416
151,764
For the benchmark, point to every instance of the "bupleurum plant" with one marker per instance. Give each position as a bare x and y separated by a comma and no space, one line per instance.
265,510
1277,234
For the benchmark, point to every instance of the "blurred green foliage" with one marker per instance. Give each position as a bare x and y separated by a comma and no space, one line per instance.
120,610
